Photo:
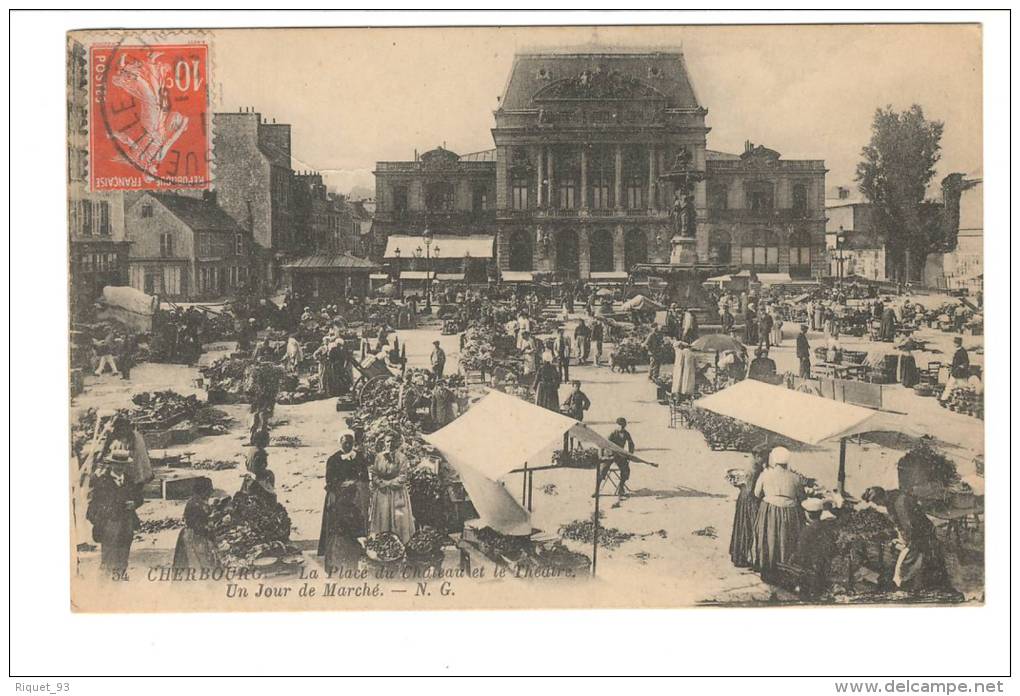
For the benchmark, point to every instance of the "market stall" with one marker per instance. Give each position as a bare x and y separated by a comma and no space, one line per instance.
799,416
502,435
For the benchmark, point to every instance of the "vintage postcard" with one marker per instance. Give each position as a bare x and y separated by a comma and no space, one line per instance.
533,317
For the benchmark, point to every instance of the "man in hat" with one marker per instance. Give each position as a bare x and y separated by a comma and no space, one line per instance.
804,352
114,497
653,346
762,368
622,439
582,337
561,349
959,370
577,402
437,360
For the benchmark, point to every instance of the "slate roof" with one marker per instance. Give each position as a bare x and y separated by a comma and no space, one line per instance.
332,261
198,213
665,72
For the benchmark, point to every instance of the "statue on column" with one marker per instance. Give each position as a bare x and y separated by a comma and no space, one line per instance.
689,217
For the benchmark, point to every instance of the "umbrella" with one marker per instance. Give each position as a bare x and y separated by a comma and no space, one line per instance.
717,342
604,292
388,290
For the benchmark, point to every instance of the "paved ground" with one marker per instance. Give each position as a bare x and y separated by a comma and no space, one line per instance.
686,495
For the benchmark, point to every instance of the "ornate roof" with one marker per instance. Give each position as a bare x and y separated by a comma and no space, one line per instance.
598,75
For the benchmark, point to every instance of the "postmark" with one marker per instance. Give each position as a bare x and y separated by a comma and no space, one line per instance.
148,117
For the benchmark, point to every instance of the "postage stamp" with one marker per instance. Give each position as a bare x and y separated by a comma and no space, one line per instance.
149,106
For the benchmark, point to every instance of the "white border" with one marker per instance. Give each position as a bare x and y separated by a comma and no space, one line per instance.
48,640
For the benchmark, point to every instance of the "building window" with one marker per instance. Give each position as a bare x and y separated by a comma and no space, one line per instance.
568,194
400,200
761,252
86,218
800,254
166,245
760,195
800,198
717,195
719,247
519,190
104,219
480,198
146,211
439,196
635,194
600,195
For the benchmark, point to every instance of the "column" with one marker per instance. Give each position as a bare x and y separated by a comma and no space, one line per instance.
651,177
541,176
552,180
619,247
584,177
617,179
502,178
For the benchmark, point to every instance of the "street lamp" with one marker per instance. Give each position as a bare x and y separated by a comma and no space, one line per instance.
426,237
396,255
840,241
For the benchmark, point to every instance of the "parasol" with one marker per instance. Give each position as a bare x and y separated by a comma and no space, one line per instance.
604,292
717,342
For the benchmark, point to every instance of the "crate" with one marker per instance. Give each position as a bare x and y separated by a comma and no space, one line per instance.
181,488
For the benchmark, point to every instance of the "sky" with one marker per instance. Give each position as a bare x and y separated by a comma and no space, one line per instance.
357,96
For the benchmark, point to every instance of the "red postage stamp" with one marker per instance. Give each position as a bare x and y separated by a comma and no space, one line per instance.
149,110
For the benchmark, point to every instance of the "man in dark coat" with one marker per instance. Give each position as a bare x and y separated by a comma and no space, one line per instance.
577,402
653,346
622,439
762,368
598,336
561,348
765,322
804,352
113,500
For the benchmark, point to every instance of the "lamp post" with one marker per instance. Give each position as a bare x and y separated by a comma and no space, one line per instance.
396,255
840,241
426,238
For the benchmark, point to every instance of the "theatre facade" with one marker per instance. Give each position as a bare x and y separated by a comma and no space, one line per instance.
576,184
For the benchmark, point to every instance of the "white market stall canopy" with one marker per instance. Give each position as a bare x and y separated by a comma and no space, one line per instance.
443,247
417,275
379,276
774,278
517,276
450,276
609,275
797,415
498,435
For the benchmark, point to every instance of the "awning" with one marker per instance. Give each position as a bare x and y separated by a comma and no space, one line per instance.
449,276
797,415
774,278
379,276
332,262
609,275
417,275
443,246
720,279
498,435
518,276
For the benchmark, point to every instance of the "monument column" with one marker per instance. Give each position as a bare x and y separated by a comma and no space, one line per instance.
552,181
540,197
651,177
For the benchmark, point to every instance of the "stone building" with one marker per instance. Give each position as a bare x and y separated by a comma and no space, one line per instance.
186,248
252,179
97,247
576,186
313,213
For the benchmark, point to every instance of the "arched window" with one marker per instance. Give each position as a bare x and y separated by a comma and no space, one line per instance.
635,248
601,250
760,252
800,254
439,196
520,251
800,192
720,247
566,251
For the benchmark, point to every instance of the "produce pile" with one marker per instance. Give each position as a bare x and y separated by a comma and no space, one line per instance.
583,531
426,544
632,351
385,547
166,407
861,526
966,400
158,525
214,464
925,457
247,527
239,380
479,351
585,458
509,546
723,433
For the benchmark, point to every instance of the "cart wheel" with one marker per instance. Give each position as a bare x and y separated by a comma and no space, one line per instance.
369,385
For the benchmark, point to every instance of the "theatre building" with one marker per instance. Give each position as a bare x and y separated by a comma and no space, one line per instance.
579,184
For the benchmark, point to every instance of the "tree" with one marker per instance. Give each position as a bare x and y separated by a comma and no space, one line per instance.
894,174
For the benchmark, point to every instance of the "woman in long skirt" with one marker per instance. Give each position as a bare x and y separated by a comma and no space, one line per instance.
745,512
345,508
779,518
547,385
195,546
390,508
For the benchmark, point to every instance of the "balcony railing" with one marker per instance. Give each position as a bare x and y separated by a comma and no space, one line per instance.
580,213
762,216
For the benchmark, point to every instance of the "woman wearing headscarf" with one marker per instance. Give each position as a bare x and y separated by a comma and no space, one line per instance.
195,546
345,509
390,506
684,369
779,518
745,513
